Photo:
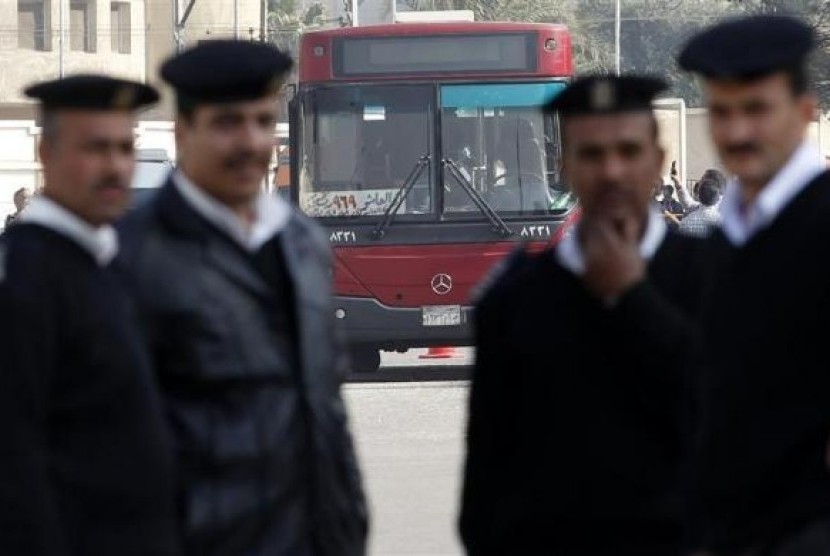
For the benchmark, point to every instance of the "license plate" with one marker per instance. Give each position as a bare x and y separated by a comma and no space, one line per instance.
441,315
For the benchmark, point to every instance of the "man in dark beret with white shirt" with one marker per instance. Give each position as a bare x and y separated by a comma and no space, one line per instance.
234,287
578,416
85,466
761,483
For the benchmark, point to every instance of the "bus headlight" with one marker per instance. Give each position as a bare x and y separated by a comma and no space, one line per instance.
340,314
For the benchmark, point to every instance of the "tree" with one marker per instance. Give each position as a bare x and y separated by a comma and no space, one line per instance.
652,31
817,14
287,20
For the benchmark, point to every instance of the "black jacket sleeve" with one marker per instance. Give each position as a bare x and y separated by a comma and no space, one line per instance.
30,522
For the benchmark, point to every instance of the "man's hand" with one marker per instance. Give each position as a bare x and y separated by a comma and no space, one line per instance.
613,263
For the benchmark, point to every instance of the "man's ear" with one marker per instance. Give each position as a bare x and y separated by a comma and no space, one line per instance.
44,149
808,105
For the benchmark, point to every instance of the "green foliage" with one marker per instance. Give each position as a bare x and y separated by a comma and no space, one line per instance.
313,16
287,19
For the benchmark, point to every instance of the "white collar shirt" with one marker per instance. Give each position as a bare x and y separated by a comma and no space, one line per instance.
739,224
271,214
100,242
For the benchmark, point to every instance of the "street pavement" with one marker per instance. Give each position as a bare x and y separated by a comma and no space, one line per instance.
409,437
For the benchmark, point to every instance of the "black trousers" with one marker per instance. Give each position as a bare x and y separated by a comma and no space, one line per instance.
811,540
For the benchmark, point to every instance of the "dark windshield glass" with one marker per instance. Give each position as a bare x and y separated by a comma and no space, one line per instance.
359,145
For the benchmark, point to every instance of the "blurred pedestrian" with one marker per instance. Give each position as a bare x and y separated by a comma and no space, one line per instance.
691,202
668,202
704,218
665,204
21,199
577,416
85,468
234,287
761,485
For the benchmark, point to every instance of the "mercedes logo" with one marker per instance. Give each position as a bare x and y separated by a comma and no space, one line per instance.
441,284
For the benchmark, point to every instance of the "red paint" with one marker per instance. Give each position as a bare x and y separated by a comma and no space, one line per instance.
439,353
556,63
401,275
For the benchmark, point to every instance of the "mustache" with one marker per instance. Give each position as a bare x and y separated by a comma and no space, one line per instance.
742,148
612,189
244,157
110,182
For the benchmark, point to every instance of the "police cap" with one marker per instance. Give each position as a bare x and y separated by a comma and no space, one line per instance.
748,47
96,92
607,94
226,70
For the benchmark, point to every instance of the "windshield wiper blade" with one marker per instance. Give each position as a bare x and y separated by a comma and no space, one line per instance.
498,224
400,196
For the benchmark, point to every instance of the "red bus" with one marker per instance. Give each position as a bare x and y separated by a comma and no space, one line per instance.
423,151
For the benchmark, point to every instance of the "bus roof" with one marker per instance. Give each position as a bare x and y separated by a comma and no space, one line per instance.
543,51
437,28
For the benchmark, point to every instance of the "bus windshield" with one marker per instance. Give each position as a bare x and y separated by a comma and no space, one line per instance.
504,146
361,143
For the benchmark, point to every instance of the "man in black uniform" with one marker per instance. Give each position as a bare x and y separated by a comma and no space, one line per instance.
761,482
234,286
85,468
578,401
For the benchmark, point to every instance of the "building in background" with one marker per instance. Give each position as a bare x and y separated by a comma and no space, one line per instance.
43,39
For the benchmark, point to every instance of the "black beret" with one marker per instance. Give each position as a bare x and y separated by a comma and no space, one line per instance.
748,47
97,92
607,94
226,70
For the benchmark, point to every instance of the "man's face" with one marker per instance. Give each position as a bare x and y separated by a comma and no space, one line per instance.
756,125
612,162
226,148
88,163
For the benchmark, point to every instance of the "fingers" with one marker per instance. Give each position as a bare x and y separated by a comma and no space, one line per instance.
631,230
618,232
599,238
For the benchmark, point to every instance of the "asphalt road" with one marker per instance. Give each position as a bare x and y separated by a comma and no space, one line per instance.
409,435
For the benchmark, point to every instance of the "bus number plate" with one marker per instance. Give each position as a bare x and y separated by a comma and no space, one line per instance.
441,315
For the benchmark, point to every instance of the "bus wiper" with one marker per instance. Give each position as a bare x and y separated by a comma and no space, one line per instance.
400,196
498,224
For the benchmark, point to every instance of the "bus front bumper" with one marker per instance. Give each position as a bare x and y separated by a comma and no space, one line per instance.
370,322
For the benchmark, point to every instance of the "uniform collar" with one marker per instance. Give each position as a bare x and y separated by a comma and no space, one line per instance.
100,242
740,224
569,253
271,214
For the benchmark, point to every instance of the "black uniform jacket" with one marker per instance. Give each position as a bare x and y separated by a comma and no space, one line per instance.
85,467
579,411
248,360
761,463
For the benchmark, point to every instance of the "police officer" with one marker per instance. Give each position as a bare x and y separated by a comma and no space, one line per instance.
85,468
761,482
234,287
577,408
